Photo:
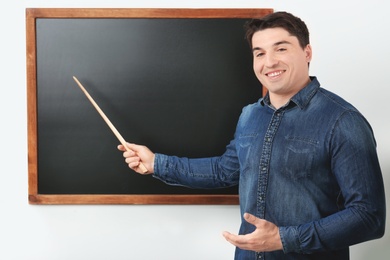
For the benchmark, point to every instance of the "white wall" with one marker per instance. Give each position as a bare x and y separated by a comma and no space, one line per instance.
351,58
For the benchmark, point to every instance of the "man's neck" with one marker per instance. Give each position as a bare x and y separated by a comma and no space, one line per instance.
278,101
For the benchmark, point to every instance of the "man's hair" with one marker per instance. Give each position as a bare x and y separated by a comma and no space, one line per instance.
292,24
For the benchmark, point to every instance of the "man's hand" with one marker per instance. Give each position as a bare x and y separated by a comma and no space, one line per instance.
265,238
137,154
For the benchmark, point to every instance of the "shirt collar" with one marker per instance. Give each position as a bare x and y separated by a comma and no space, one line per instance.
302,98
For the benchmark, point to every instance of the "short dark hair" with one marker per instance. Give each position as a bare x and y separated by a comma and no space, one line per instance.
292,24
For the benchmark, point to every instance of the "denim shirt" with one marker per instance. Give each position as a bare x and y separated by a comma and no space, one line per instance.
310,167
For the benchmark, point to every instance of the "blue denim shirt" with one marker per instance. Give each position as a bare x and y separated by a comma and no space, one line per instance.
310,167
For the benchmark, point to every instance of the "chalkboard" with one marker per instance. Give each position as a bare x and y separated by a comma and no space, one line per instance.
172,79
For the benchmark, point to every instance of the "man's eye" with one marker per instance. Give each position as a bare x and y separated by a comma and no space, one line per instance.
259,54
282,49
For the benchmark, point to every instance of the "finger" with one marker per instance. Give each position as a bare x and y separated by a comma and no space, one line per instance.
133,147
225,234
133,159
240,241
232,238
229,237
129,147
133,163
130,154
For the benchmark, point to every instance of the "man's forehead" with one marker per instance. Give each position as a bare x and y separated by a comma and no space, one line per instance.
272,36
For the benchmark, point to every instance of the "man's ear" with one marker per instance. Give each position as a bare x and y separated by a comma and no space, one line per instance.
308,51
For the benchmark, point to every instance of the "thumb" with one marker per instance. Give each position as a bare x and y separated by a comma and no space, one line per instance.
250,218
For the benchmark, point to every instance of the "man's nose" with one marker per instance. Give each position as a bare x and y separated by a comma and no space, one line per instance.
271,60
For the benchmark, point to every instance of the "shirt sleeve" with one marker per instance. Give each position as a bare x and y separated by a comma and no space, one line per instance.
202,173
354,163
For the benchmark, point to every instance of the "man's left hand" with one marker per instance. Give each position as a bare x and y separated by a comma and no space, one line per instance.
264,239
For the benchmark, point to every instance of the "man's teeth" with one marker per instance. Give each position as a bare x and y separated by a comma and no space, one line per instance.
274,74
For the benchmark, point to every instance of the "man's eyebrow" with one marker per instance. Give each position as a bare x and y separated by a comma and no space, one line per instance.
275,44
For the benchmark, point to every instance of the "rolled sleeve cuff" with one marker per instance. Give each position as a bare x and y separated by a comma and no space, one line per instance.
162,170
160,164
290,239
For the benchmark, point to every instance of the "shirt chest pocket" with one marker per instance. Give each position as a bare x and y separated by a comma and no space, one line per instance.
299,157
245,148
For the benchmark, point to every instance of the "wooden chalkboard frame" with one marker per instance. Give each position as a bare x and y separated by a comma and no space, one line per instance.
31,15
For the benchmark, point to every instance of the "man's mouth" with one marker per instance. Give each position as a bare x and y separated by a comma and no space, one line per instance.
274,73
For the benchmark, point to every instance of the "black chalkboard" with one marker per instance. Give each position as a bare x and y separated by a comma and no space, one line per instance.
176,85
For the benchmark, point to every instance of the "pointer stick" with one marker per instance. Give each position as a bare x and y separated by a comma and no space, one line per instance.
112,127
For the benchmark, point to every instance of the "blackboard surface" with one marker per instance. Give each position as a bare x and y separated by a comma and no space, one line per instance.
175,85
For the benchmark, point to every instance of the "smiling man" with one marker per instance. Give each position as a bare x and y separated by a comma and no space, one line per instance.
280,63
305,160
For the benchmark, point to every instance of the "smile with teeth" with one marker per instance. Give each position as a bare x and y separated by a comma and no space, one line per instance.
274,74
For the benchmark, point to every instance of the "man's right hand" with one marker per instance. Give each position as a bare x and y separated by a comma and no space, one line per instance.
137,154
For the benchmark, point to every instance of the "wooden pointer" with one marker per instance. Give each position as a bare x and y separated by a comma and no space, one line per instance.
112,127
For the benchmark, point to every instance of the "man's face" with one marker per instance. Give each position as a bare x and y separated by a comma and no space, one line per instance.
279,62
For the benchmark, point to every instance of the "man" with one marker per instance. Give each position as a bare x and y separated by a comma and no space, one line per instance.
305,160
